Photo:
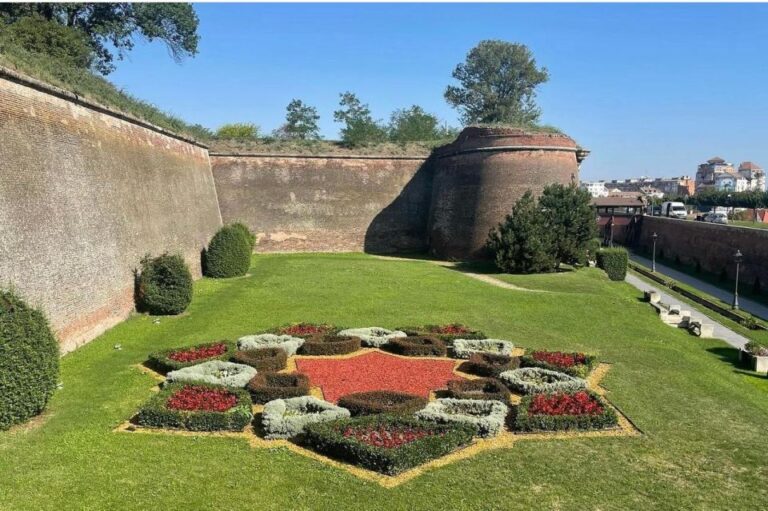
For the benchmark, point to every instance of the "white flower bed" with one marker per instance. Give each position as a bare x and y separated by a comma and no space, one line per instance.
215,372
373,336
287,343
286,418
463,348
486,416
531,380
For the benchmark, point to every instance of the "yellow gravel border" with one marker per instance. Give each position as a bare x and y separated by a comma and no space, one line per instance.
506,439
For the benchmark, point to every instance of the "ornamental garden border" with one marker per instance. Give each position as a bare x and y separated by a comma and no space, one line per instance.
506,438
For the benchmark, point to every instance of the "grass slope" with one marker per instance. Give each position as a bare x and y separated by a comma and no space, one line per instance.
704,419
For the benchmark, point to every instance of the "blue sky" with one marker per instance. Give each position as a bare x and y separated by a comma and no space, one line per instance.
650,89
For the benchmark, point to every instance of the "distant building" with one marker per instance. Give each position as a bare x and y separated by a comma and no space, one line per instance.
595,188
681,186
721,175
753,174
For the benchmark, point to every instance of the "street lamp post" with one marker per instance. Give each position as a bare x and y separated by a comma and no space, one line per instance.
653,266
610,225
737,258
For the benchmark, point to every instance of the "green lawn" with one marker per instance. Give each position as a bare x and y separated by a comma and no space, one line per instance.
704,419
749,223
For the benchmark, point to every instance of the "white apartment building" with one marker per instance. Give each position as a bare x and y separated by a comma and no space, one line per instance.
595,188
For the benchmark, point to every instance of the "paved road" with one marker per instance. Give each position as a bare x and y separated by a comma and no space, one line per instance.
746,304
720,331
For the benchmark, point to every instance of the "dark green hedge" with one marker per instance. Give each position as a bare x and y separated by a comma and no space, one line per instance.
531,423
489,364
29,361
247,233
579,370
160,361
155,414
481,388
228,253
382,401
263,360
433,330
327,438
417,346
265,387
164,285
614,261
330,345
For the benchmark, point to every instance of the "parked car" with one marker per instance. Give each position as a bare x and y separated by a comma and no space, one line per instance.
674,210
716,217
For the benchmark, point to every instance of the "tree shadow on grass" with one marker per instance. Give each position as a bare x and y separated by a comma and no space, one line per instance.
731,355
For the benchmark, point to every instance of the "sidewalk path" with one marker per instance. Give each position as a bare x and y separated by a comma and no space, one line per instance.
745,304
721,332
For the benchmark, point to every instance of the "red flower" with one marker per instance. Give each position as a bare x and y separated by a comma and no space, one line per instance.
454,329
192,354
193,398
559,358
304,329
578,403
387,436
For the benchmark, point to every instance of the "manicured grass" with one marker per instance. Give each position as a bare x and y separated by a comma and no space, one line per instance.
704,419
749,223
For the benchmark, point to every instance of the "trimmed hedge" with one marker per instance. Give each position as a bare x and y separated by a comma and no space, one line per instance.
265,387
464,348
286,418
524,421
382,401
489,364
215,372
418,346
155,413
485,417
228,253
246,232
29,361
482,388
614,261
164,285
532,380
374,337
439,332
287,343
330,345
330,439
305,330
263,360
578,370
160,359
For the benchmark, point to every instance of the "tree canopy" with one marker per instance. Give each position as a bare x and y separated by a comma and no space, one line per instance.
497,84
414,124
359,126
110,28
300,121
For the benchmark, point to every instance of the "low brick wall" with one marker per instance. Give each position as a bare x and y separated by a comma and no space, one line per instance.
326,203
711,245
84,194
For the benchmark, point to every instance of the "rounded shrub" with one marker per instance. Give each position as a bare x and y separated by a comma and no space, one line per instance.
614,261
247,233
29,361
164,285
229,253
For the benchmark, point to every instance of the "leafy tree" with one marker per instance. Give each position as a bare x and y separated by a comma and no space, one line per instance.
111,27
571,220
238,131
359,126
69,46
524,243
413,124
498,84
301,121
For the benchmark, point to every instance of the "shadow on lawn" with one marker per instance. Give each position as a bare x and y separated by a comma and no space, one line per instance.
731,355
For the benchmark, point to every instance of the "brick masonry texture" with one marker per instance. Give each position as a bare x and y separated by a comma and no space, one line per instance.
327,203
711,245
84,194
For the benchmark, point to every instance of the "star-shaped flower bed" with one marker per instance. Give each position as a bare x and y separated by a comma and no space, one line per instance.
377,371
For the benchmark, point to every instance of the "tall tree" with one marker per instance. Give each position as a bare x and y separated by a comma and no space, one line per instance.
301,121
571,219
497,84
112,27
359,126
413,124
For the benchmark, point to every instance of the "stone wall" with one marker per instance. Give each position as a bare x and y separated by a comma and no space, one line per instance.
327,203
711,245
84,194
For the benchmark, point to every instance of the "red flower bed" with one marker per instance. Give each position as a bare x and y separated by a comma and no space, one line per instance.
453,329
387,436
376,371
192,354
192,398
559,358
304,329
578,403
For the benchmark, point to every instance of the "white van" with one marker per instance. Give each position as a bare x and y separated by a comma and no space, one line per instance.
674,210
